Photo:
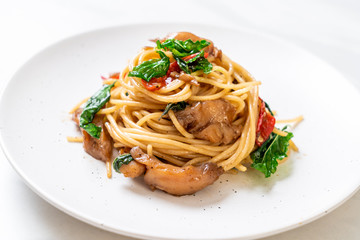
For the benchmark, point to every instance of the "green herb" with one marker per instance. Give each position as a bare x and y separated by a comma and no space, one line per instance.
174,106
200,63
196,57
92,130
120,160
273,149
152,68
182,48
182,64
92,106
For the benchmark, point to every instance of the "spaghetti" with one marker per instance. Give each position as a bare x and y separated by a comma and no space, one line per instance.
133,114
142,113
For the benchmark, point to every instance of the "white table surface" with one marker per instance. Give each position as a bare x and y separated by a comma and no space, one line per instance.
329,29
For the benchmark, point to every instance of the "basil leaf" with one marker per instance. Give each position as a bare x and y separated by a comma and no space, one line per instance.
198,62
182,48
92,106
152,68
182,64
196,57
273,149
120,160
174,106
92,130
201,63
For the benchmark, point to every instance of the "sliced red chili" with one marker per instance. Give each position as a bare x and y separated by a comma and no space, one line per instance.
187,58
265,124
154,83
174,67
114,75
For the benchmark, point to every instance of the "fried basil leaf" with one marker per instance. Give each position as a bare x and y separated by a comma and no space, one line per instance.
182,48
174,106
92,106
152,68
120,160
265,158
198,62
182,64
92,130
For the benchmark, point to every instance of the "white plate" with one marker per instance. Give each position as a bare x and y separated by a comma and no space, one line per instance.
34,124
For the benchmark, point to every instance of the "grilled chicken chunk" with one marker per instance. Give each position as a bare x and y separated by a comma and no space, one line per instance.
101,148
210,120
176,180
133,169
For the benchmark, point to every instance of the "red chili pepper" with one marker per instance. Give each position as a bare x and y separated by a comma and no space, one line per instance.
265,124
174,67
114,75
157,83
187,58
154,83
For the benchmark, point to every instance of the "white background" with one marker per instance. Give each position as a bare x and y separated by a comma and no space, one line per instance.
330,29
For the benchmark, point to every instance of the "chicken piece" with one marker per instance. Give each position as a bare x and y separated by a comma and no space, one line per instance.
183,36
76,115
133,169
188,78
101,148
210,120
176,180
